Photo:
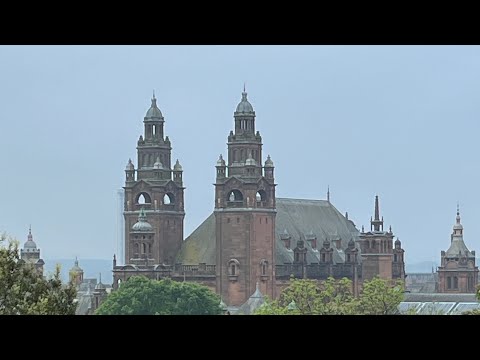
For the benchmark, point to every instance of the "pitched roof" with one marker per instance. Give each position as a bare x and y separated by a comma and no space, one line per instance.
253,303
299,217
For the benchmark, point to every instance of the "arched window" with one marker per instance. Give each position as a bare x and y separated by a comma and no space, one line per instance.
261,195
233,267
143,198
455,282
449,282
395,257
149,249
136,249
264,266
168,199
235,195
235,155
144,248
241,155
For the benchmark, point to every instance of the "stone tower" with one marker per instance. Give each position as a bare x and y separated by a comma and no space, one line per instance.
76,274
457,273
244,213
30,254
377,251
158,190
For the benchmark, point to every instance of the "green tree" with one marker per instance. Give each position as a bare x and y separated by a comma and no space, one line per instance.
335,297
379,297
307,297
24,291
475,311
142,296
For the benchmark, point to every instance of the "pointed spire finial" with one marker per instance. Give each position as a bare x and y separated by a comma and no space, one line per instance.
76,261
244,86
377,210
257,286
30,230
458,208
100,276
153,93
328,193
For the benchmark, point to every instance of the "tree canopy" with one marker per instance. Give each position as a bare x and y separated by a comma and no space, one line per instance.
335,297
142,296
24,291
475,311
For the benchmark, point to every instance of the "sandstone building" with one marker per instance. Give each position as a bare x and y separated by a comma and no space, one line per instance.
252,236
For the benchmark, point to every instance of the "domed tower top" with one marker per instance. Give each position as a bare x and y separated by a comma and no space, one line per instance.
142,224
30,244
177,166
457,245
458,226
244,107
75,267
244,117
268,162
130,165
154,112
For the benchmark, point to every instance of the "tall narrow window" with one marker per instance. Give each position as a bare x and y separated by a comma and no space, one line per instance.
233,269
455,282
449,282
264,269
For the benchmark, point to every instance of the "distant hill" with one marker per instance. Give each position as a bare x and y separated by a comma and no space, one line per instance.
421,267
91,268
426,266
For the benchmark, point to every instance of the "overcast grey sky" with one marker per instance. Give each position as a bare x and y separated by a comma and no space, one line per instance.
398,121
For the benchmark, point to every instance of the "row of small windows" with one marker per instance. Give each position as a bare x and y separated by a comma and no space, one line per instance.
144,198
236,195
149,159
238,220
382,246
146,248
452,284
242,154
246,124
143,237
